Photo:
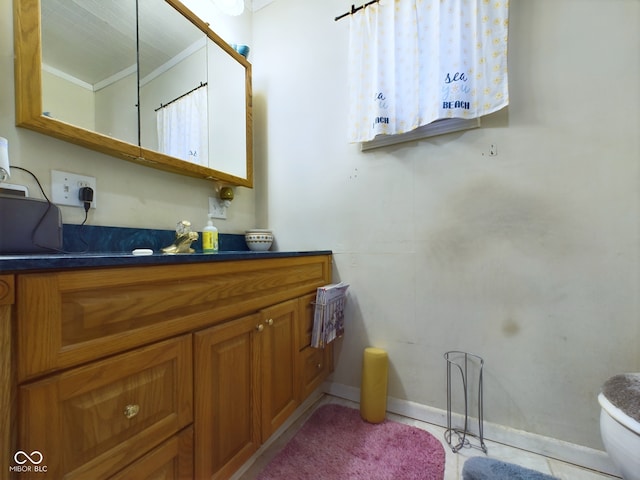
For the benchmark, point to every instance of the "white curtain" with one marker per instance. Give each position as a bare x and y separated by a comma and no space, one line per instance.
412,62
182,128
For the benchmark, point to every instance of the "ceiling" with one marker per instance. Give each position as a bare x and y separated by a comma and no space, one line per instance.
93,40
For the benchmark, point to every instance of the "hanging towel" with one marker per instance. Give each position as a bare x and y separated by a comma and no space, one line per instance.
412,62
182,128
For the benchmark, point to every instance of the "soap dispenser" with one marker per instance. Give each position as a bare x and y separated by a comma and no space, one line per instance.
210,238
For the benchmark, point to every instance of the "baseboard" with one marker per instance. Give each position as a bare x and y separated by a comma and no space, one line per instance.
549,447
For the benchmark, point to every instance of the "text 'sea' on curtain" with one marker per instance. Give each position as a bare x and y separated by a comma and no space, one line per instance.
412,62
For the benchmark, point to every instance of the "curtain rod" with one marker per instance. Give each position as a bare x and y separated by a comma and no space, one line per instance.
354,9
202,84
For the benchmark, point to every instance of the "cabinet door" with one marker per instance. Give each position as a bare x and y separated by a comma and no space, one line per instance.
92,421
279,368
226,396
7,403
173,460
315,364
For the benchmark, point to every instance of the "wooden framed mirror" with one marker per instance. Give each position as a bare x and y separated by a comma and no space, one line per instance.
114,110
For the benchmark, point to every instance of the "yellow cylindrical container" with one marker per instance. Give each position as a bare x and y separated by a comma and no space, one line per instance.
373,390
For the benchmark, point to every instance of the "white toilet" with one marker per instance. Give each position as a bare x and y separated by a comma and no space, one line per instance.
620,423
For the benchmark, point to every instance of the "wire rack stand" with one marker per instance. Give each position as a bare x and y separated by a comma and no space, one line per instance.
463,361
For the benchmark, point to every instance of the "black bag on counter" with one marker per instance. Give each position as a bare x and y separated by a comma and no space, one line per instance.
29,225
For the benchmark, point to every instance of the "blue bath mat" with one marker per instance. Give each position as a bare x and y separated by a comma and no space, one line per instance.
482,468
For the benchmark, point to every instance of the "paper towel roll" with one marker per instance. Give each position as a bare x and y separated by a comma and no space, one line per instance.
373,390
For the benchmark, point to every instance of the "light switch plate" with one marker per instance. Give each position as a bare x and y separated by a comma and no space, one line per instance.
217,208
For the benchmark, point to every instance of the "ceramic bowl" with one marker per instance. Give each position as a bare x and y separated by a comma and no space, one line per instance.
258,240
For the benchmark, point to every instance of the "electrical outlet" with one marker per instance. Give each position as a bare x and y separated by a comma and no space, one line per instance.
493,150
217,208
65,188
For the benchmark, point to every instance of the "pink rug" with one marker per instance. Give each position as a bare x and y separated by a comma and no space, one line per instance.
335,443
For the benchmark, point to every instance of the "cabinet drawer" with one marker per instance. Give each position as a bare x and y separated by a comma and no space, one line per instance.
92,421
69,318
316,365
173,460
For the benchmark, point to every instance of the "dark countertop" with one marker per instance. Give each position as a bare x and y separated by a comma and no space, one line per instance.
43,262
112,247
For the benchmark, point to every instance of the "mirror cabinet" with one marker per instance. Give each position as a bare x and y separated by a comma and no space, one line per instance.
144,80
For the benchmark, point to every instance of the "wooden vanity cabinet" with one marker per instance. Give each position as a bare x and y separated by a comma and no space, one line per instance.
7,371
89,421
172,460
315,363
175,372
247,383
227,415
279,366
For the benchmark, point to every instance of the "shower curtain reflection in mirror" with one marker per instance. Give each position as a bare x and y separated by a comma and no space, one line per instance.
182,128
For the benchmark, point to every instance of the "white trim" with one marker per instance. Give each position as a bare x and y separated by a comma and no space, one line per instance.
115,77
439,127
539,444
87,86
258,4
186,53
67,77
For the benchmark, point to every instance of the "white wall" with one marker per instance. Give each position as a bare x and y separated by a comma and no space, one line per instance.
128,194
67,101
116,113
529,258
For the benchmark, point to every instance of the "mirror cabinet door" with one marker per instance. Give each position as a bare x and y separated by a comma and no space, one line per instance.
89,66
173,83
81,74
227,112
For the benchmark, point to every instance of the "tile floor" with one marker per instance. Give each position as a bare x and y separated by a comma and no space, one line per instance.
454,461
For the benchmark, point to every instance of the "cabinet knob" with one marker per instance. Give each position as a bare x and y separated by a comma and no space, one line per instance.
260,327
131,411
319,366
270,322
